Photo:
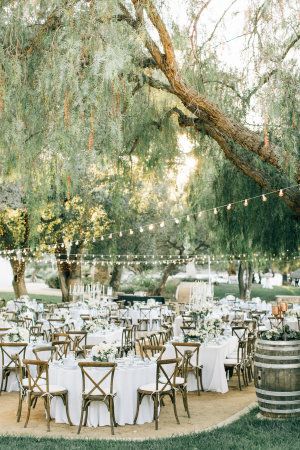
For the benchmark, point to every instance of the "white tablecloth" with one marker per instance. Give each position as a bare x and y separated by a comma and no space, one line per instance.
126,382
105,336
212,357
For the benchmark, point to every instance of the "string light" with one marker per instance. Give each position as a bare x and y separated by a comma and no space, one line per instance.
215,211
264,198
162,224
151,227
246,203
130,231
281,193
141,229
229,206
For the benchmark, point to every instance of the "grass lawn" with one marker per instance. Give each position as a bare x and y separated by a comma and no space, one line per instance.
249,433
45,298
256,291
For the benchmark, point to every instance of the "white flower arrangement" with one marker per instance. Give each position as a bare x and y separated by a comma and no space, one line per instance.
17,334
104,352
92,326
209,329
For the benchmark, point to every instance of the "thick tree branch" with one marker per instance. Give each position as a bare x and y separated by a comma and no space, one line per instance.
246,166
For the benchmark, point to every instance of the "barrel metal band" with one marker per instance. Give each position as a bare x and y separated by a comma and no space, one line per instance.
273,349
277,366
281,411
259,355
279,394
279,402
278,343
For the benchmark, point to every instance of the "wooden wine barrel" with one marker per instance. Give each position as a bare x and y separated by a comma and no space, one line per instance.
277,378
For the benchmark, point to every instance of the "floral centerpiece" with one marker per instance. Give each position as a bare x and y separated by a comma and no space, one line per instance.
284,334
200,312
16,334
104,352
92,326
208,329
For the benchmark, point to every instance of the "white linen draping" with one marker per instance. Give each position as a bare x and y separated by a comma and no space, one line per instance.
212,357
126,382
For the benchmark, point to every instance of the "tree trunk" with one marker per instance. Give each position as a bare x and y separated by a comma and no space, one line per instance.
69,271
245,275
18,283
116,277
101,274
162,283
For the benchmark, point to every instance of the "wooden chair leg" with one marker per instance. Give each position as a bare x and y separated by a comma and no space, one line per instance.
47,407
111,416
113,412
66,402
201,381
185,402
173,398
28,411
198,381
138,402
238,371
19,412
156,411
81,417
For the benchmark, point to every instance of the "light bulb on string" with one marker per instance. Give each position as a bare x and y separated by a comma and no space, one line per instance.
120,234
176,221
141,229
215,211
264,198
102,238
162,224
110,236
246,202
188,218
130,231
199,213
151,227
228,206
281,193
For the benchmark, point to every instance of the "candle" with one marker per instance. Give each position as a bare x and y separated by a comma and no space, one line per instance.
283,306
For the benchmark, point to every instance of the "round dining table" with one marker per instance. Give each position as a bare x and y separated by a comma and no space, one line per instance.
128,378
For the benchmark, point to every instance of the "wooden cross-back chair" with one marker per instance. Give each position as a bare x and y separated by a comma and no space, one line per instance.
138,345
39,387
8,349
61,348
77,341
192,364
47,353
128,339
238,364
166,372
101,389
56,325
35,331
276,323
3,332
149,351
241,332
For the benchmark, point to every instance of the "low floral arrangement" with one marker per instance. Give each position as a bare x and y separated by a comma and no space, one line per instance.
201,311
17,334
284,334
104,352
209,329
92,326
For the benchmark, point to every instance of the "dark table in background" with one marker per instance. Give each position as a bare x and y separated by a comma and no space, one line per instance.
131,298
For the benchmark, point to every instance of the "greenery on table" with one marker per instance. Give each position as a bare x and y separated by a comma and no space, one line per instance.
249,433
286,334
